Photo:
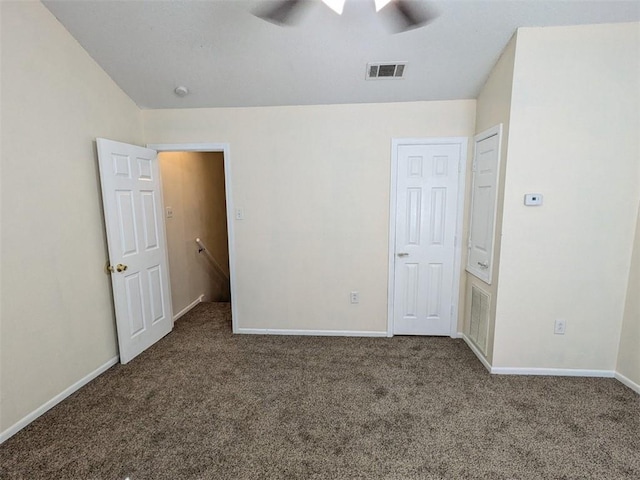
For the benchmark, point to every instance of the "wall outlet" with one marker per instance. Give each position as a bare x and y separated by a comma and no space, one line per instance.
354,297
560,326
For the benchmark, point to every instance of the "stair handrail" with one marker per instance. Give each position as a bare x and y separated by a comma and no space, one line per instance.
202,248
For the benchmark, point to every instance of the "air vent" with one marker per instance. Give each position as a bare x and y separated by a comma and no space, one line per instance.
479,322
388,71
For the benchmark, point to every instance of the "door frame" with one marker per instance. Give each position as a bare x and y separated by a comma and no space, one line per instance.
225,149
457,261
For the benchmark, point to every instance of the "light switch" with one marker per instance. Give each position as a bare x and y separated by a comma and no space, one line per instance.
169,212
533,199
239,214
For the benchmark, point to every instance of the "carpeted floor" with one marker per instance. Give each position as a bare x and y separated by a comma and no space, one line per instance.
203,404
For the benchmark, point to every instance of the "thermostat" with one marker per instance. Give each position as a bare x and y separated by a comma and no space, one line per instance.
533,199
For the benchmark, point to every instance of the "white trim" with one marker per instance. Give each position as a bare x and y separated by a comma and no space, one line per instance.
554,372
477,352
186,309
393,188
20,424
188,147
486,275
315,333
226,151
628,382
457,261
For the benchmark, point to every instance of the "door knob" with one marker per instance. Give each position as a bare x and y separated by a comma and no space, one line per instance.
483,265
118,268
403,254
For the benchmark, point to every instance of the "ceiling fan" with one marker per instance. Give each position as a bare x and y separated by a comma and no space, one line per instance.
406,14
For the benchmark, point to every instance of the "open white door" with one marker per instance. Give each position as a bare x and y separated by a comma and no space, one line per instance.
132,199
484,203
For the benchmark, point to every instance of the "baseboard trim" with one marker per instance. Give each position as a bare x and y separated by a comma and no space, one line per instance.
20,424
186,309
477,352
553,372
316,333
628,382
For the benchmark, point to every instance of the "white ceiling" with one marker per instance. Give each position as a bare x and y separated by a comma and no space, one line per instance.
228,57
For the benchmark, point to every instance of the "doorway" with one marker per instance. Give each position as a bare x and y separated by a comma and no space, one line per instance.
196,197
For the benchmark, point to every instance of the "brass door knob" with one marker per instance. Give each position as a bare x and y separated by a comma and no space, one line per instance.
118,268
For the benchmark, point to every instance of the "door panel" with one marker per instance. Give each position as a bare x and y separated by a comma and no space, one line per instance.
483,204
137,245
426,217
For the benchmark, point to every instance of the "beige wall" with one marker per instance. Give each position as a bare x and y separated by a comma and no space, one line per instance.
574,139
314,186
57,321
629,351
193,186
493,108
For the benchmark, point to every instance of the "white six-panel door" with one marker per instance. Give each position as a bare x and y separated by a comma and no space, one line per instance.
132,200
426,211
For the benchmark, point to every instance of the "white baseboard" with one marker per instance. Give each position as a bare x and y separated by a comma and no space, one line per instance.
477,352
186,309
628,382
317,333
20,424
554,372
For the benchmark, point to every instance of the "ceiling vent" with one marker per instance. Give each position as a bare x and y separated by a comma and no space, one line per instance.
389,71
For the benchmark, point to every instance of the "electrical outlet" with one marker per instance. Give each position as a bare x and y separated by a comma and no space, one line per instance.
355,297
560,326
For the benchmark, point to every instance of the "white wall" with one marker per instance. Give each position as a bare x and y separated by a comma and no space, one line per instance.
193,187
629,351
57,321
493,108
314,185
574,139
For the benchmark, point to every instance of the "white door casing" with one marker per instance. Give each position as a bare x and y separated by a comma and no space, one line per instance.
425,223
136,238
484,197
225,149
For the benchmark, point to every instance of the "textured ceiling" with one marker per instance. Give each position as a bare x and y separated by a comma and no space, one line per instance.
228,57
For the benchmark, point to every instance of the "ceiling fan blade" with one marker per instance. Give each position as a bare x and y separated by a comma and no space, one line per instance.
284,12
411,14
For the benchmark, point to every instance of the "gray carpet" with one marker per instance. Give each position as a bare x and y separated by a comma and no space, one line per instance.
203,404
